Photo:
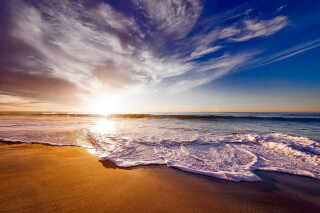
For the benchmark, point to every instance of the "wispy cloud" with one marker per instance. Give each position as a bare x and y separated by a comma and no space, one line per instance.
206,72
92,48
71,47
174,17
292,52
281,8
79,50
201,52
254,28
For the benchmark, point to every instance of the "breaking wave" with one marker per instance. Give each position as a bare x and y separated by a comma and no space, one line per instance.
226,150
230,157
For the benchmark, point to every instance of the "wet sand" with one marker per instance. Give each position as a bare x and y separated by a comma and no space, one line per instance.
40,178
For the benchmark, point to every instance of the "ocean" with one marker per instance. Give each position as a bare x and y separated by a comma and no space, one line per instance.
228,146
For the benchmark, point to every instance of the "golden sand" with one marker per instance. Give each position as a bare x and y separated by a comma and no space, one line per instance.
39,178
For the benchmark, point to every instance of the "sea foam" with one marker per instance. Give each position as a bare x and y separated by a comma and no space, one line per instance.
230,150
230,157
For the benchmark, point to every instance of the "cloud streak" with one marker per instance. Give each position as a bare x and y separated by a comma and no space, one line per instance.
95,47
254,28
292,52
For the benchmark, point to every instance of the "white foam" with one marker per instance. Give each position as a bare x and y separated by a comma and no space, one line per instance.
230,157
192,147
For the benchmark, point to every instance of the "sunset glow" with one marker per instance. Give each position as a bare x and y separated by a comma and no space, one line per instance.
183,55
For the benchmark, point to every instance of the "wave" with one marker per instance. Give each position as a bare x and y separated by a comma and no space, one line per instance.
301,117
214,117
10,142
227,156
230,157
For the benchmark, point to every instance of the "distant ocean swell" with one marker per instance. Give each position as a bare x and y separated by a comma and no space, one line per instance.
177,116
229,157
213,117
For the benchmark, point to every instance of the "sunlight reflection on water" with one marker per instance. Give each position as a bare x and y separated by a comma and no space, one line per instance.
103,126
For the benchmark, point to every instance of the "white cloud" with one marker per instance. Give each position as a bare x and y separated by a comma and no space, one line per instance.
100,48
175,17
75,50
72,49
229,32
261,28
109,17
281,8
208,71
201,52
252,28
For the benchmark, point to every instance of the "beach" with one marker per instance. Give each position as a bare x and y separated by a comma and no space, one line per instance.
159,106
42,178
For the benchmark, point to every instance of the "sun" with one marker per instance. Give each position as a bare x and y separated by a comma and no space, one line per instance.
106,104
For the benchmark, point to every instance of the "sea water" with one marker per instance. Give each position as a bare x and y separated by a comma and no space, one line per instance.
224,145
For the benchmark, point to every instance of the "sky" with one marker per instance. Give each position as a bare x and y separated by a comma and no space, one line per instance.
140,56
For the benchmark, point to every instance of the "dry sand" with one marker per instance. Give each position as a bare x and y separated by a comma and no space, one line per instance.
39,178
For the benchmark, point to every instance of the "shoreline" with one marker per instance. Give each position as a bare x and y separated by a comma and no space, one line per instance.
257,170
38,178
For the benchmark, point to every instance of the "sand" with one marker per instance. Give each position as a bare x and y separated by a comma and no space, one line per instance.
40,178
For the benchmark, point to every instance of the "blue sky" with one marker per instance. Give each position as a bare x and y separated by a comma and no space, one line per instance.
160,55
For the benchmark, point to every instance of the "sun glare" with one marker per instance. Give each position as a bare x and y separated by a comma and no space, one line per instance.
103,126
106,104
